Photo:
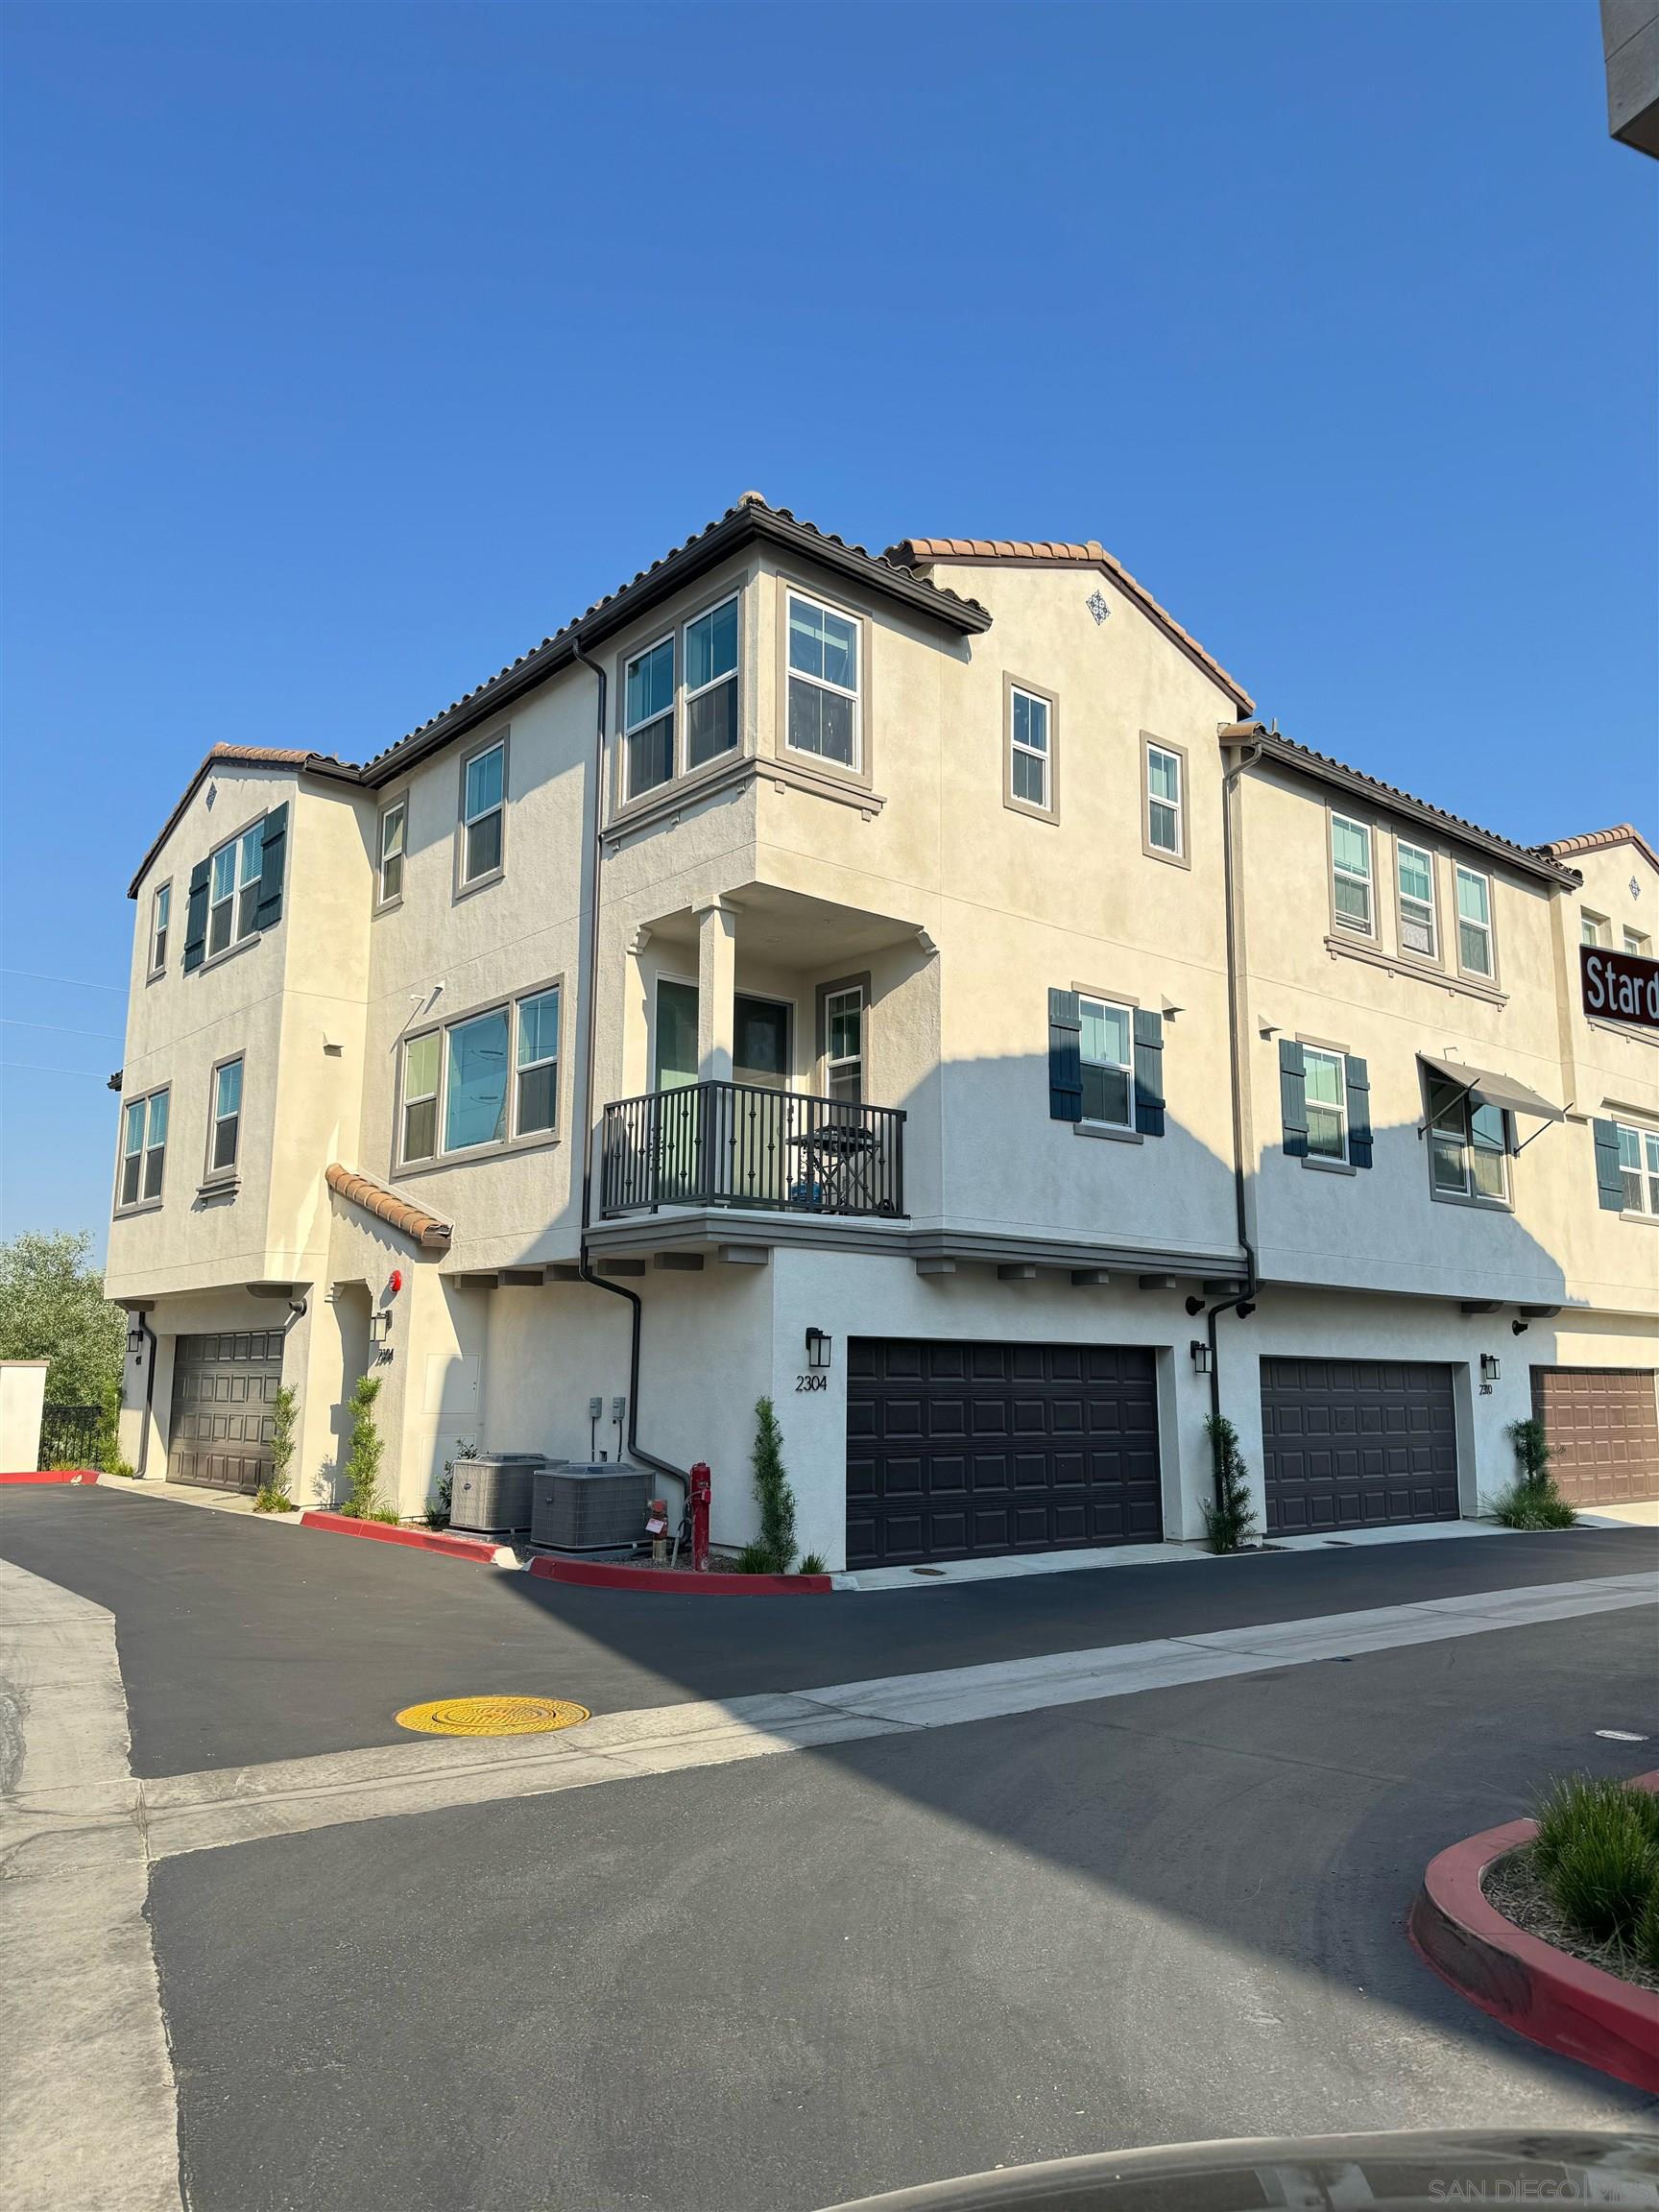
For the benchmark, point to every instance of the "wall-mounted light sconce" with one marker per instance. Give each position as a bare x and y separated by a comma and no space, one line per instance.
1517,1327
1244,1309
379,1325
1200,1356
1194,1307
1491,1367
135,1334
817,1351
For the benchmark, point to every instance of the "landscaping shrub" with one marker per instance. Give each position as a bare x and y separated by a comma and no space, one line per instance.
754,1559
812,1563
1532,1501
438,1506
274,1496
1229,1523
774,1545
363,1456
1597,1855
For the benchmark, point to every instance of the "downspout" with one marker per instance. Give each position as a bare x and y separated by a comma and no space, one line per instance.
149,1394
1244,1305
584,1267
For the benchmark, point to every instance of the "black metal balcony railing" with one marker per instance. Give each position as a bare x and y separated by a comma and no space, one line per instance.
739,1144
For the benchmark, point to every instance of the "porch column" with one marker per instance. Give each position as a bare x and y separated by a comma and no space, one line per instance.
717,985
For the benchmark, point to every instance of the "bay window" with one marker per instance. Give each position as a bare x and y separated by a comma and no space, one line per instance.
648,718
824,689
712,684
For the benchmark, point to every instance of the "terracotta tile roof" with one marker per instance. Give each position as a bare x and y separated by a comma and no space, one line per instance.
386,1205
1599,840
223,757
752,514
920,552
1532,859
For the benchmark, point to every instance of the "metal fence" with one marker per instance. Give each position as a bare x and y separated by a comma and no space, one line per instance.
741,1144
70,1434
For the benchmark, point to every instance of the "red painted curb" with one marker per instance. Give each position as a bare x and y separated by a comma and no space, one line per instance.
56,1475
1532,1987
475,1548
680,1581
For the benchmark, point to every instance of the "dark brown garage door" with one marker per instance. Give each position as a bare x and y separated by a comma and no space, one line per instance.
223,1391
965,1451
1356,1444
1603,1431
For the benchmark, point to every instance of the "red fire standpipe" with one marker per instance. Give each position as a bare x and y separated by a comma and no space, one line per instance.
701,1483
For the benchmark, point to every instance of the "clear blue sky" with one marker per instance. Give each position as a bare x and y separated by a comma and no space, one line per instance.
351,350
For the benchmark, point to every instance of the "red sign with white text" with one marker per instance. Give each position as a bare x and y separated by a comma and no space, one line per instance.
1619,986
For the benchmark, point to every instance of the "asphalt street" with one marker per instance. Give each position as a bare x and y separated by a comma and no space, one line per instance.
779,1983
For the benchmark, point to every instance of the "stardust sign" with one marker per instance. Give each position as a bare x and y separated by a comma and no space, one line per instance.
1618,986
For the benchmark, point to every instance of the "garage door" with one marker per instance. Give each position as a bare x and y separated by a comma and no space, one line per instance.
1356,1444
1603,1429
223,1391
965,1451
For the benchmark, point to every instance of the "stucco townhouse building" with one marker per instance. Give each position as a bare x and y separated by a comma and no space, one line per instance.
916,988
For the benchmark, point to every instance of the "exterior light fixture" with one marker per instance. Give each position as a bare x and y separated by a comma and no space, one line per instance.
379,1326
1491,1366
1200,1356
1517,1328
135,1334
817,1351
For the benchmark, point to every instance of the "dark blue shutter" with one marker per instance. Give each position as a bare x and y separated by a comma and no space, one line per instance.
195,918
1293,1098
269,911
1609,1180
1064,1057
1149,1073
1359,1113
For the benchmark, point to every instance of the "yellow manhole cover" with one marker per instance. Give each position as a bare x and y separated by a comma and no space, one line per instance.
492,1715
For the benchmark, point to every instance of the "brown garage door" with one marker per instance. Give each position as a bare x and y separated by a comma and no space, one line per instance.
965,1451
1604,1430
223,1391
1356,1444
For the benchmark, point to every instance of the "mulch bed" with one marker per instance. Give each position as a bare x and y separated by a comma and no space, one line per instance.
1515,1889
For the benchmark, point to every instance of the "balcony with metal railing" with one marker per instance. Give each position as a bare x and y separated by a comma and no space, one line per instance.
749,1146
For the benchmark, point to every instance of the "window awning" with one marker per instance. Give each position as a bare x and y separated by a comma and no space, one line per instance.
1492,1090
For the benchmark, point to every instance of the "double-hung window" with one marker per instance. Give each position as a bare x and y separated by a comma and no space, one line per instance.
1106,1046
712,684
1638,1167
1475,923
824,695
1468,1144
535,1098
483,814
1419,931
393,827
843,1044
143,1150
1351,875
648,718
225,1117
233,889
421,1061
1030,762
160,913
1165,805
1326,1093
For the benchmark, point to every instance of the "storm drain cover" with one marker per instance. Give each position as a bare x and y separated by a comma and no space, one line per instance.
491,1715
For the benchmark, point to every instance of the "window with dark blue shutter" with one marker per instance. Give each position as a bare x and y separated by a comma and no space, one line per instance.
269,909
1609,1179
1359,1114
195,918
1149,1073
1293,1098
1065,1061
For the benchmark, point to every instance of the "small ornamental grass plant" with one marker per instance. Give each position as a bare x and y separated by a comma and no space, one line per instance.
1597,1855
1532,1501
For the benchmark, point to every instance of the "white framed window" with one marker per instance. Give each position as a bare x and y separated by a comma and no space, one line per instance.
224,1117
160,914
1592,929
648,718
1636,944
393,830
1107,1050
421,1067
483,813
536,1087
1468,1146
1351,875
143,1150
843,1044
1325,1077
1638,1167
1419,922
233,888
711,644
1166,803
1474,923
824,689
1029,751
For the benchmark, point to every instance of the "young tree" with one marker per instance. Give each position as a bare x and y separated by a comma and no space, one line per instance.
276,1496
777,1500
53,1307
364,1453
1230,1523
